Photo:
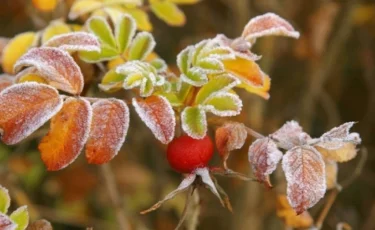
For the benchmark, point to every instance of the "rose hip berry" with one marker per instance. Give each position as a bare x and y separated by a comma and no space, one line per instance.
185,154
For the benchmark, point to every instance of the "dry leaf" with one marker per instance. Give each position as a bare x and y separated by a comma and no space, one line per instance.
305,175
347,152
75,41
68,134
264,157
24,108
290,135
109,127
288,215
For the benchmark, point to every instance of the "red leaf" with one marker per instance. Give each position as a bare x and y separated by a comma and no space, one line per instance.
305,175
109,127
264,157
290,135
56,65
157,113
6,223
266,25
75,41
24,108
69,131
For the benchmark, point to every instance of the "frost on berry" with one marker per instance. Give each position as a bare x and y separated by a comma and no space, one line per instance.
207,181
68,133
264,157
305,175
56,65
75,41
24,108
229,137
109,126
6,223
184,185
290,135
158,115
266,25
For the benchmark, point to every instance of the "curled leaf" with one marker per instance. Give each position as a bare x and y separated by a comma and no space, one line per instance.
24,108
56,65
68,133
206,179
338,136
158,115
194,122
305,175
290,135
75,41
343,154
264,157
184,185
109,126
266,25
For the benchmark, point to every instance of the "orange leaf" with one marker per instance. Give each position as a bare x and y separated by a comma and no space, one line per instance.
45,5
68,134
251,76
56,65
24,108
109,126
157,113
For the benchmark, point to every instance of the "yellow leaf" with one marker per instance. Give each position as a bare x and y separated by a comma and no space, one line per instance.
55,28
142,19
114,13
347,152
115,62
82,7
16,48
45,5
288,215
168,12
32,77
251,76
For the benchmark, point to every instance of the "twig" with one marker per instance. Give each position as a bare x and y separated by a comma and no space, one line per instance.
189,195
114,196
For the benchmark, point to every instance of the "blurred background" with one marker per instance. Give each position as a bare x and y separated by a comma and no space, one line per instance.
323,79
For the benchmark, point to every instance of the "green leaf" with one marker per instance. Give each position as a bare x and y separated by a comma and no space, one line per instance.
223,104
106,53
211,65
168,12
125,30
194,122
183,91
172,98
197,51
20,217
112,81
142,19
183,59
147,87
217,83
100,27
142,45
195,76
4,200
159,64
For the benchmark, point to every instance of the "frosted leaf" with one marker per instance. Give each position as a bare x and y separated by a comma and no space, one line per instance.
305,175
338,136
24,108
142,45
223,104
197,50
219,53
195,76
75,41
184,185
4,200
109,126
56,65
158,115
124,31
21,217
206,179
6,223
266,25
211,65
184,59
5,81
264,157
147,87
290,135
69,130
82,7
194,122
160,65
343,154
229,137
331,173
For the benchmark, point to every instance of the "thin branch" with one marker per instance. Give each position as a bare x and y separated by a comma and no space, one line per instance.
115,197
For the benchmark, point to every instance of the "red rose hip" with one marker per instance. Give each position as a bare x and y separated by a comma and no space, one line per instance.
185,154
